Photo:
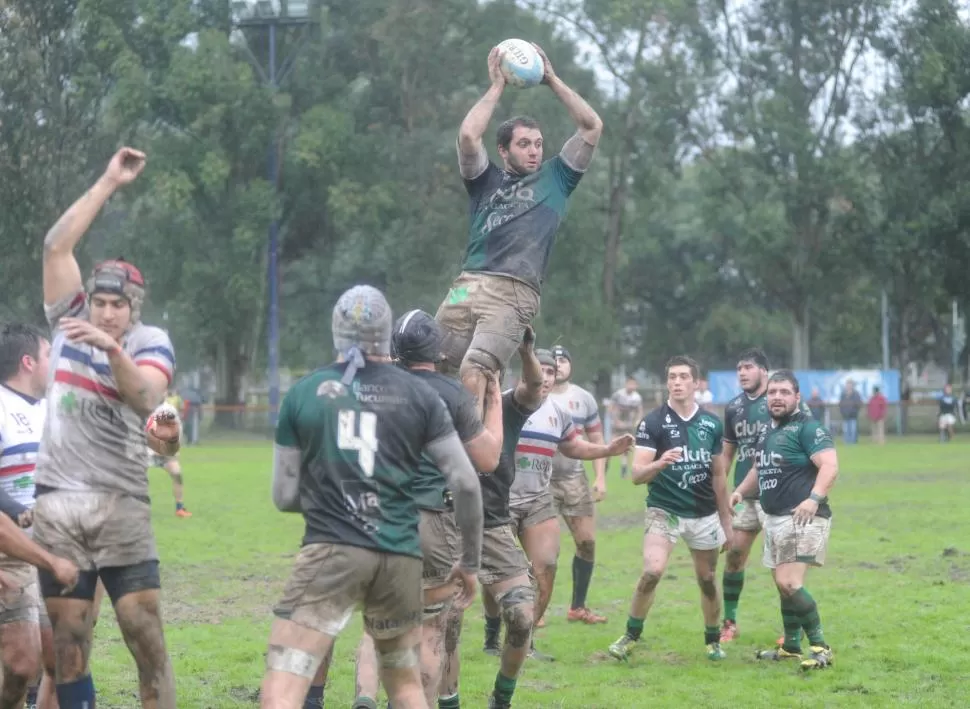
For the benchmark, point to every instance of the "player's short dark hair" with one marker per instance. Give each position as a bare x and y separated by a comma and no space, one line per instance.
756,355
504,134
683,361
17,340
785,375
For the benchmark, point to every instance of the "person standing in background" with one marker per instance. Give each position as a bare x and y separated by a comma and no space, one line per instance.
850,403
704,397
877,409
816,404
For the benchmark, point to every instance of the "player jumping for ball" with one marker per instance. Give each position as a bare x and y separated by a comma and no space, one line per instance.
516,210
795,469
349,440
110,374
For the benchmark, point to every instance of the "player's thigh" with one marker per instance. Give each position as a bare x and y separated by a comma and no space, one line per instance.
540,532
441,548
118,533
173,467
394,601
457,319
20,620
573,498
502,558
60,525
660,535
788,543
504,307
325,586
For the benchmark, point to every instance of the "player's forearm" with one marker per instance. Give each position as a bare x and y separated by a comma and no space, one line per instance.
721,496
749,485
583,115
13,542
529,389
493,427
645,473
476,121
584,450
133,387
68,230
286,479
599,464
449,455
825,480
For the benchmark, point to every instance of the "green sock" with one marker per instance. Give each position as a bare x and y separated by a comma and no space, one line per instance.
504,688
712,634
808,615
792,624
634,627
449,702
733,583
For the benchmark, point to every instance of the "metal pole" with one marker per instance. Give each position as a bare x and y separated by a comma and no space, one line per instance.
273,325
885,331
954,343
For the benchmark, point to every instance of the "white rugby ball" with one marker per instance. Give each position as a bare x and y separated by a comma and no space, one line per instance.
522,66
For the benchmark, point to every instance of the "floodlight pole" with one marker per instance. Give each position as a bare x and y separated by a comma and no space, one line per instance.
274,77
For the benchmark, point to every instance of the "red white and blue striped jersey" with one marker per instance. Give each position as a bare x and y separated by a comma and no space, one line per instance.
21,424
549,426
581,406
93,440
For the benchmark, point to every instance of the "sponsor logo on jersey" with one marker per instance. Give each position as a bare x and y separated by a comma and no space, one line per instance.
331,389
707,423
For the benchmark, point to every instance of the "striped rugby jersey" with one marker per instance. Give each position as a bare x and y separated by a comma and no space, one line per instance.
581,406
92,440
549,426
21,424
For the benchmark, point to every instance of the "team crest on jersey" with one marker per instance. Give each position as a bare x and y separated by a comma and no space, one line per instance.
331,389
701,435
763,406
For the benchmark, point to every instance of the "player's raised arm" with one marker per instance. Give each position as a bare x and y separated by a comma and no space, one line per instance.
472,156
588,123
485,449
62,276
528,392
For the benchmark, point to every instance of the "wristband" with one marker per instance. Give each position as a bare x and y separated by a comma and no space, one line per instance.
818,499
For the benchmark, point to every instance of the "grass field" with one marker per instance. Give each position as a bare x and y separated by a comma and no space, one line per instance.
894,599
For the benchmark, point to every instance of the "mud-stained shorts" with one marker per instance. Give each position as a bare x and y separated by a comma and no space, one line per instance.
749,517
502,557
160,461
536,512
786,543
330,581
95,529
699,533
487,312
22,604
440,545
572,496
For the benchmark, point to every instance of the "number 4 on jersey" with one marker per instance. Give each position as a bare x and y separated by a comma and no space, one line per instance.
364,440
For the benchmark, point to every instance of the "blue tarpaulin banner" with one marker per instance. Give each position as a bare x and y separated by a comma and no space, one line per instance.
724,384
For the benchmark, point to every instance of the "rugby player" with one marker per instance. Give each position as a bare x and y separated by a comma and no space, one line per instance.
746,418
516,210
349,440
794,471
570,487
625,411
110,374
548,430
172,465
947,417
416,346
679,458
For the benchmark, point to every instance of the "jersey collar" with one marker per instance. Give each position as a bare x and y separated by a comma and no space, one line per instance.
26,397
692,413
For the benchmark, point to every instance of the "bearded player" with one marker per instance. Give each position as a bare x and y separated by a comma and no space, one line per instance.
795,469
746,418
110,374
516,211
349,440
571,493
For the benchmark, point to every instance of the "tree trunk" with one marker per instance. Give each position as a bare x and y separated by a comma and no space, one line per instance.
230,371
801,338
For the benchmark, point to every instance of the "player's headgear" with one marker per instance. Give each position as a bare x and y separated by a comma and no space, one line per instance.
118,277
560,351
361,326
546,358
417,338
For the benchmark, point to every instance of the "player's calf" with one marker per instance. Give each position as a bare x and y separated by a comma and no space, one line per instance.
20,657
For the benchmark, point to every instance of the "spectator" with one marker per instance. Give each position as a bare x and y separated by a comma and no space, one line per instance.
817,406
703,397
877,409
850,403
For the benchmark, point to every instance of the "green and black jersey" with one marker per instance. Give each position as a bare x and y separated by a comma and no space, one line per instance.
745,421
786,473
685,488
361,446
497,486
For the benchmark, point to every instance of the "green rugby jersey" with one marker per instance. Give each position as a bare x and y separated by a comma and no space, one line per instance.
685,488
361,448
786,473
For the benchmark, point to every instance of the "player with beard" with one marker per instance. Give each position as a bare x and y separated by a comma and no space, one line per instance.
109,376
678,457
794,471
515,211
570,487
746,418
